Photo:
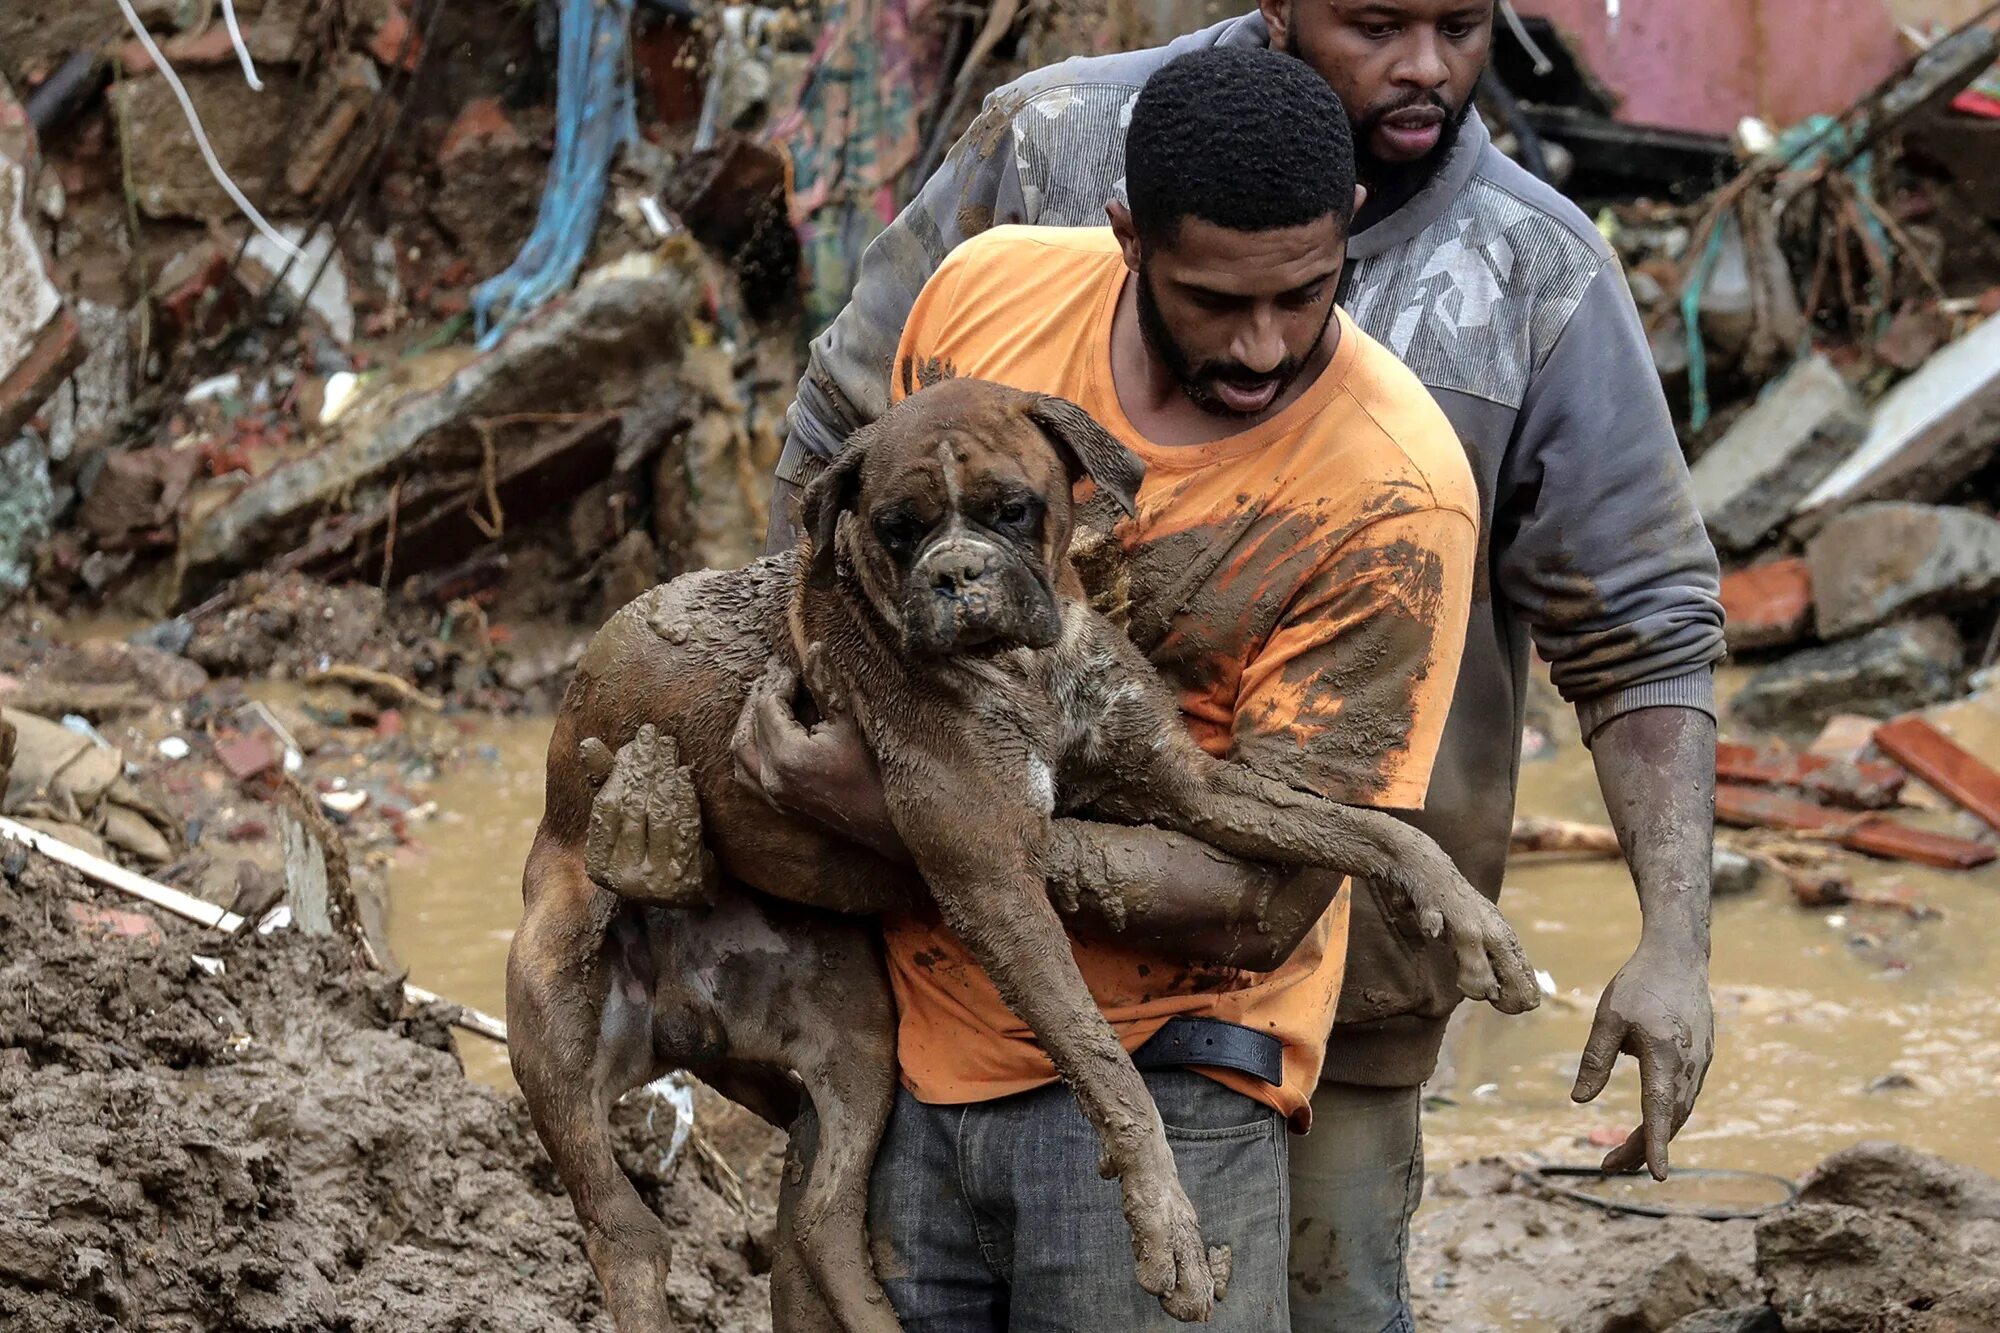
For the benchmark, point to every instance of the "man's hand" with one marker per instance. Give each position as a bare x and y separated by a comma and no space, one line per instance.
644,841
825,773
1657,770
1657,1011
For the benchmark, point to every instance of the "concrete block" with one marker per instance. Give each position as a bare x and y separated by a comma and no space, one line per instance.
1929,433
1804,425
1876,561
1880,674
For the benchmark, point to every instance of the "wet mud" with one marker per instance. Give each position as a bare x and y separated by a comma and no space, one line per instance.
281,1147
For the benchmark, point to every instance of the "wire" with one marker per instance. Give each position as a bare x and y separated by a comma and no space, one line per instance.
1535,53
1714,1214
270,233
242,49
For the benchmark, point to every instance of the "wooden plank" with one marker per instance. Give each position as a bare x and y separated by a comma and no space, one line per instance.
1944,764
1754,807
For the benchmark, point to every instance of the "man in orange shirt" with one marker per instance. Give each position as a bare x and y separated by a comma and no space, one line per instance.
1300,570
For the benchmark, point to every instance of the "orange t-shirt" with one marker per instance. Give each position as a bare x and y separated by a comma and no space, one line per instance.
1304,587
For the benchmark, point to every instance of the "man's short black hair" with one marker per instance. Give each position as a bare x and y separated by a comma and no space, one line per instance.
1241,137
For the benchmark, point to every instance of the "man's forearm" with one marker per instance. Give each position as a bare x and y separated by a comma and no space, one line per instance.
1175,893
1656,768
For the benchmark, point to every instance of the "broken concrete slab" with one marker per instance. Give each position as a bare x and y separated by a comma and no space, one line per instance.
1874,562
39,341
1881,674
1766,606
1805,423
1736,1319
596,352
1928,433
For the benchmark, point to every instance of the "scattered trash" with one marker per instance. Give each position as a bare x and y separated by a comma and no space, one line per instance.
343,803
173,747
209,967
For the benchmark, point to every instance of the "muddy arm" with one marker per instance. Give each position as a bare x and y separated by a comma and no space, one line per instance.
1657,770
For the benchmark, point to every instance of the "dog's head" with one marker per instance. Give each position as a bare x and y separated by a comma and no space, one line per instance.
953,513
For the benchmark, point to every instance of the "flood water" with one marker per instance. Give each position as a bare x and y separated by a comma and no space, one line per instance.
1832,1026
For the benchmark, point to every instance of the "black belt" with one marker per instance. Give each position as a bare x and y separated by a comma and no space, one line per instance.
1212,1042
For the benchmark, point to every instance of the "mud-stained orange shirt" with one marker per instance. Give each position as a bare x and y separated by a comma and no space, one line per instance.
1303,585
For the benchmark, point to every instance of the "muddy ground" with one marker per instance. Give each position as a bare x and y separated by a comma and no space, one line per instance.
281,1146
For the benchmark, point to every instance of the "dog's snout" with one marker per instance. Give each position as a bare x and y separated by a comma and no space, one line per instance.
958,568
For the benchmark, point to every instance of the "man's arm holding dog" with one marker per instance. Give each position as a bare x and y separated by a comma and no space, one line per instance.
1328,705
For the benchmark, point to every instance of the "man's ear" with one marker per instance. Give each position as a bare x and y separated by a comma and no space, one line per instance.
1360,197
1087,447
1277,22
831,493
1125,233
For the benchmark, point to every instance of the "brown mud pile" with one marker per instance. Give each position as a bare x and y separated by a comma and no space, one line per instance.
282,1147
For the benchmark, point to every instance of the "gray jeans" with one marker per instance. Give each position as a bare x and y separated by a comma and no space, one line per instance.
993,1216
1356,1180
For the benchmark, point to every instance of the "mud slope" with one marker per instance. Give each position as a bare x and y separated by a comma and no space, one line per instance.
273,1149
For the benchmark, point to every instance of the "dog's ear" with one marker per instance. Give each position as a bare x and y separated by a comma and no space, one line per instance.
1087,447
832,492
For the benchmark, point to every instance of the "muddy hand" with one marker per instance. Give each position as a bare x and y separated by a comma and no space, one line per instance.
1173,1264
1656,1010
824,773
1491,963
644,841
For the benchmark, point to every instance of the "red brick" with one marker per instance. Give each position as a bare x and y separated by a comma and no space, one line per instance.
1767,606
391,39
483,123
248,755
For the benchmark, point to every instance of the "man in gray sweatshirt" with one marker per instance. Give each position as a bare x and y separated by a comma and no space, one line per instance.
1506,303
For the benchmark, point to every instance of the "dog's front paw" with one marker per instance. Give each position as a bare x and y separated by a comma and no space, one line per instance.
644,841
1492,966
1173,1263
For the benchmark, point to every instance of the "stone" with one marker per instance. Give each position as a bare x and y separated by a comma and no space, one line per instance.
1874,562
1929,433
1882,673
1732,874
1767,606
1656,1300
1804,424
1890,1175
1832,1268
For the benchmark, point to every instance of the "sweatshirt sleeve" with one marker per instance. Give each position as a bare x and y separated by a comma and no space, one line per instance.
1600,541
846,383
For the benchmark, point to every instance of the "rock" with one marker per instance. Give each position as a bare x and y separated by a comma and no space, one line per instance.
1890,1175
1831,1268
1655,1301
1882,673
1736,1319
1876,561
1732,873
1798,431
1768,605
1928,433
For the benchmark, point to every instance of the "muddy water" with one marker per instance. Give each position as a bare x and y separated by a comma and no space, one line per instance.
1814,1008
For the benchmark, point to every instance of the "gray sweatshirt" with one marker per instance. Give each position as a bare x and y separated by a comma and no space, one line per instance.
1508,305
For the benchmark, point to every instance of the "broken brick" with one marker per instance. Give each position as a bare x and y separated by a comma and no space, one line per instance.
396,42
1768,605
247,756
1944,764
111,922
483,123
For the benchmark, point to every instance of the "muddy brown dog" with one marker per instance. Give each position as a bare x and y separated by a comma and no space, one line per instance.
934,601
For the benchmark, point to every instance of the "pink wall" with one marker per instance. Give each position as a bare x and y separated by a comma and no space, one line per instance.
1704,64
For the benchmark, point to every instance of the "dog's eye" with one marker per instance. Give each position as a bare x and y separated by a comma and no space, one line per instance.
898,531
1014,514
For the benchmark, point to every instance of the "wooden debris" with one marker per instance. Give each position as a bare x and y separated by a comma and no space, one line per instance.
1752,807
1944,764
1535,833
380,684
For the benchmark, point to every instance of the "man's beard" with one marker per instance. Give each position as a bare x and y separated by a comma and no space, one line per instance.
1194,381
1396,181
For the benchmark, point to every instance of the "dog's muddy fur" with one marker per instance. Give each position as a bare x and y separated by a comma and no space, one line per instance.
934,602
